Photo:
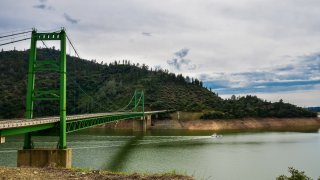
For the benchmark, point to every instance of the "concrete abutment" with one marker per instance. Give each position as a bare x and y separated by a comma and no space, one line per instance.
45,158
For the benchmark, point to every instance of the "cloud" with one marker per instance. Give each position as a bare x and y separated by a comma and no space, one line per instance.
70,19
301,74
182,53
146,34
179,62
40,6
43,6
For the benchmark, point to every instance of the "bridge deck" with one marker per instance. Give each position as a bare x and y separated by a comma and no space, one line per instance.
15,123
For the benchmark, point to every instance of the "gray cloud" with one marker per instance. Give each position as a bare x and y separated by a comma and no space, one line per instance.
146,34
179,62
40,6
43,5
182,53
70,19
192,67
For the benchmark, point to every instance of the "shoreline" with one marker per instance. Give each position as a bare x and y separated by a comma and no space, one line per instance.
75,173
230,124
249,124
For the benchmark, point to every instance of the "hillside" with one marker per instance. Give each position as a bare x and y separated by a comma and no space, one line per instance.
96,87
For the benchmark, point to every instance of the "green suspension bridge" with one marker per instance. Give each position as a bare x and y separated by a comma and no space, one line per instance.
62,124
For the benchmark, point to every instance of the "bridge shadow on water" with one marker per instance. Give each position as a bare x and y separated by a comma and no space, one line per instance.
121,157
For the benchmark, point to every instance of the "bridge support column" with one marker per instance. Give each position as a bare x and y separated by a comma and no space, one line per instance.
139,125
2,139
148,121
44,158
142,124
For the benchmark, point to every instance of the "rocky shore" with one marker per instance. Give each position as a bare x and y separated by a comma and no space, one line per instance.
9,173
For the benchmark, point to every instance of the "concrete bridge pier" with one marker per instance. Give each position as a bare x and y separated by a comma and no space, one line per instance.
2,139
148,121
142,124
45,158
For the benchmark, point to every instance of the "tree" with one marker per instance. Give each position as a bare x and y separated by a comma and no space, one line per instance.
295,175
196,82
188,79
201,83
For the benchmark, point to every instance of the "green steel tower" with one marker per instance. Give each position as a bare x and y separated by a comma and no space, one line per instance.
138,98
36,94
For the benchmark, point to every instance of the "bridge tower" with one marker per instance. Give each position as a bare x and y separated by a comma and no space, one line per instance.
62,156
36,94
140,124
138,99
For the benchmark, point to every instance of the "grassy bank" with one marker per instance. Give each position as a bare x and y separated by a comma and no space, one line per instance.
55,173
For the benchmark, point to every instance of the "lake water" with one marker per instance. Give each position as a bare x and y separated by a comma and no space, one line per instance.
241,155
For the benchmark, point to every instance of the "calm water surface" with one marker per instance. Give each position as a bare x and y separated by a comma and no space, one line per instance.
254,155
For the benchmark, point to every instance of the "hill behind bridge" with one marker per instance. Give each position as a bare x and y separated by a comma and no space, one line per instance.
97,87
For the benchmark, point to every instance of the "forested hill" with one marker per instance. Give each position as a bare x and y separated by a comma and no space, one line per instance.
95,87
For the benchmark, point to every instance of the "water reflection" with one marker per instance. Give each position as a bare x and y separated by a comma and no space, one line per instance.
119,160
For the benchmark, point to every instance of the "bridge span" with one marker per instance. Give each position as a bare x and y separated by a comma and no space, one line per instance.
22,125
62,124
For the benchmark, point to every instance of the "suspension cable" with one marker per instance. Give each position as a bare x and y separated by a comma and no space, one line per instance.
78,85
47,48
137,103
15,37
76,52
14,31
93,100
122,109
14,34
73,46
14,41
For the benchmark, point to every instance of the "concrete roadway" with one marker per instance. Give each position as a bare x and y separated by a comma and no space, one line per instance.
13,123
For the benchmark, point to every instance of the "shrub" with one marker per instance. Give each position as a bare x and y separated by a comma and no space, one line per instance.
295,175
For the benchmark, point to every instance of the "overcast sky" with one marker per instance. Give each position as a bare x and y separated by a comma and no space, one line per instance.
270,48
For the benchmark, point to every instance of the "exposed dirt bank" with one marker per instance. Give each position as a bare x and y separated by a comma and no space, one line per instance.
231,124
240,124
53,174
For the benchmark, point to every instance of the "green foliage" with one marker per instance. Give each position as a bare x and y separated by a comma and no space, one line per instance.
216,115
252,106
96,87
295,175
